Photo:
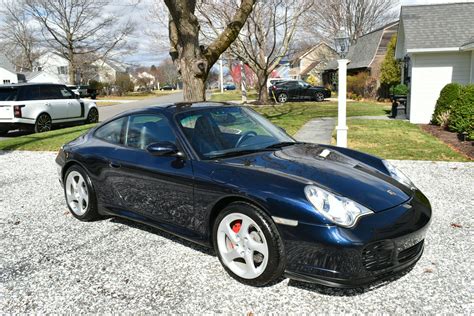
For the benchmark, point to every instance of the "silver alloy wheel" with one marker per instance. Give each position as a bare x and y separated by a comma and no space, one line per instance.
243,248
77,195
282,98
319,97
43,123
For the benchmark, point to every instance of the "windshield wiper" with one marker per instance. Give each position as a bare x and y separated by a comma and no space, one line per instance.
282,144
237,153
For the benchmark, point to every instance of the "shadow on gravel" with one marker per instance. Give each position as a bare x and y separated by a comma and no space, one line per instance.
162,233
324,290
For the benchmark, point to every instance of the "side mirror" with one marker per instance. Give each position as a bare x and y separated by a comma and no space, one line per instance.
164,149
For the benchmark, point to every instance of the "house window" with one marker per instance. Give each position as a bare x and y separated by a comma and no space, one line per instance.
62,70
6,81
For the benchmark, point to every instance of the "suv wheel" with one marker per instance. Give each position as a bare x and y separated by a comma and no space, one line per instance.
93,116
3,132
43,123
248,245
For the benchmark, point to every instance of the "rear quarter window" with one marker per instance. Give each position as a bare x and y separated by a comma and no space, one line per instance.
112,132
8,94
29,93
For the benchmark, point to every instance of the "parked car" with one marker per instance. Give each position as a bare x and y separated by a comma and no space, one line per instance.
298,91
223,176
39,106
168,87
229,86
84,91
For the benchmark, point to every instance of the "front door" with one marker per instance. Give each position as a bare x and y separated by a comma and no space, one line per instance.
156,187
75,108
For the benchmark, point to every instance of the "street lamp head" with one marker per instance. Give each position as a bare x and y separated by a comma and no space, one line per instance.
342,43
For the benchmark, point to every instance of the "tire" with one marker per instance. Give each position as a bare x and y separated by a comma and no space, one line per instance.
3,132
43,123
80,198
319,97
261,243
92,116
282,97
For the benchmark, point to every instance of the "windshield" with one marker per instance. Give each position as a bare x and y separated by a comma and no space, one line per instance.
229,131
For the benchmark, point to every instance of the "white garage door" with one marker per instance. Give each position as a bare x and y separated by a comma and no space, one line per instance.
430,73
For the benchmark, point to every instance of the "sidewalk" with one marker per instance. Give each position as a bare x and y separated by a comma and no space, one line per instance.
320,130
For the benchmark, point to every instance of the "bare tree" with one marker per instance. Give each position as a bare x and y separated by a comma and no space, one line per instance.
192,58
266,36
20,39
74,28
358,17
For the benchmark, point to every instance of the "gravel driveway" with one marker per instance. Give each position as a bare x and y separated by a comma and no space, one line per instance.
52,263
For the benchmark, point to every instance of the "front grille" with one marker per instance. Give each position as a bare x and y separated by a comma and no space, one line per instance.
410,253
378,256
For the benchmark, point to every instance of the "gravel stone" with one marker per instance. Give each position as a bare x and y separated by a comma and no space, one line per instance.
52,263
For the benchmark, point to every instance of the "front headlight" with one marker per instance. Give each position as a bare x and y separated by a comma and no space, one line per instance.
339,210
398,175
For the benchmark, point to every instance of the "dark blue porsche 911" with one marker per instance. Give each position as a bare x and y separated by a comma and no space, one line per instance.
223,176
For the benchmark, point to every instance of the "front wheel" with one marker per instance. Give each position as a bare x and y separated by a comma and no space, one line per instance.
248,245
93,116
282,97
43,123
3,132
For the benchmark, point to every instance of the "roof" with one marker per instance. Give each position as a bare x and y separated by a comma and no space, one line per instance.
31,74
448,25
302,54
6,64
363,52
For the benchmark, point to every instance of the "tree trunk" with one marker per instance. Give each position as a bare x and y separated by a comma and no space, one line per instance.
71,73
262,77
194,80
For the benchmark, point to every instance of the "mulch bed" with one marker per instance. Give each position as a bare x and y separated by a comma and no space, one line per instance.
451,139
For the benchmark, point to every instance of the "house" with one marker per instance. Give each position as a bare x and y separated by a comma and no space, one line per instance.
366,55
7,71
107,71
39,77
312,61
55,67
436,43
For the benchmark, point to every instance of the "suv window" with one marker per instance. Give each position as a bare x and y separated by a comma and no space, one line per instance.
49,92
66,93
30,93
8,94
146,129
112,131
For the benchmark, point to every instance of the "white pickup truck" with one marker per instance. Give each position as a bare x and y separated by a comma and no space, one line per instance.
39,106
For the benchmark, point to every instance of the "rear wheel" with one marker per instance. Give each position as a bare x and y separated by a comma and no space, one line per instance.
282,97
93,116
3,132
248,244
319,96
43,123
80,195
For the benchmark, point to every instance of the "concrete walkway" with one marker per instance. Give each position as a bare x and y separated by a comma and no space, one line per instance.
320,130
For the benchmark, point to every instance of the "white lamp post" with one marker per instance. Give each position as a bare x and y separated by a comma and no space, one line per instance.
342,48
221,76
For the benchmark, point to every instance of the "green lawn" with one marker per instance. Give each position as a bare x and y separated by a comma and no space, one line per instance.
137,95
395,139
49,141
291,116
234,95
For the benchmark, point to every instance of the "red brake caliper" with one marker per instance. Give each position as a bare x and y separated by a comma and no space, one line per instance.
236,229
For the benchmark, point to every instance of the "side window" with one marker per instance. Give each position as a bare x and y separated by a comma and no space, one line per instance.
66,93
112,132
146,129
49,92
30,93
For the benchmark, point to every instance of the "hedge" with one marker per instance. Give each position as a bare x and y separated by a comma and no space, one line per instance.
461,118
449,94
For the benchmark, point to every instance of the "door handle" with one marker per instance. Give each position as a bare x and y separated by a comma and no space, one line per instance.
114,165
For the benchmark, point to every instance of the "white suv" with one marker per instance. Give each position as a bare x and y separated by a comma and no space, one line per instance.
40,106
